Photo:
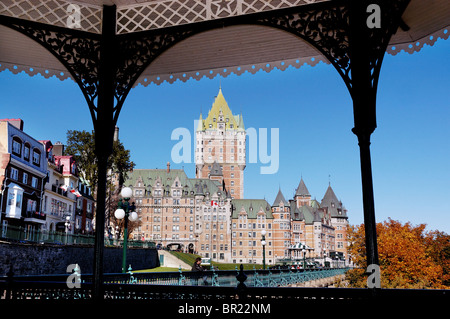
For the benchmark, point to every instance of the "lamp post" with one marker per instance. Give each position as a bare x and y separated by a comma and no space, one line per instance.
67,224
263,243
304,257
125,210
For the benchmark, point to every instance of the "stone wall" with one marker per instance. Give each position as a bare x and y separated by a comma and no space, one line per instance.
36,259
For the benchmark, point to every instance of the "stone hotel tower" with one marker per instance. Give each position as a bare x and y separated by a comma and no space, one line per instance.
220,147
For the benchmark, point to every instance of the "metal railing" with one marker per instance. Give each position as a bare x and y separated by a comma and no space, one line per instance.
220,278
17,288
25,235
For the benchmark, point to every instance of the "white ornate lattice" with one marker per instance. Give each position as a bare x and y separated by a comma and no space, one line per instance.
418,45
55,12
166,13
226,71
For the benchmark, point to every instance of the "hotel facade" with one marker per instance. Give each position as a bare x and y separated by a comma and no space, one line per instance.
209,215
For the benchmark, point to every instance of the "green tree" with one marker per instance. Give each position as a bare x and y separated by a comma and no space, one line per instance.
81,144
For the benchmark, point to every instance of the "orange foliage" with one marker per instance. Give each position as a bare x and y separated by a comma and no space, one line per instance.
408,256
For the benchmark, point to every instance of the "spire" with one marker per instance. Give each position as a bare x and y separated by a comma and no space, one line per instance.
200,123
329,197
220,105
334,205
279,198
241,122
302,190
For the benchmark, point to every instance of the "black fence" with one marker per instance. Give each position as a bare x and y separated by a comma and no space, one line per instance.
15,290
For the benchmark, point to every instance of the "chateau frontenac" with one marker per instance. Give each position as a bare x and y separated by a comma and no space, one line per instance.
209,215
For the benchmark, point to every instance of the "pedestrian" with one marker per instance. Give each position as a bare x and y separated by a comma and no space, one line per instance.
198,268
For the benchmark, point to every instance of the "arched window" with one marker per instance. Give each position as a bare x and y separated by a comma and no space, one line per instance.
17,146
36,157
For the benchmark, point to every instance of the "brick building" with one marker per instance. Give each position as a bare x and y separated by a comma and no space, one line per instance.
220,141
209,216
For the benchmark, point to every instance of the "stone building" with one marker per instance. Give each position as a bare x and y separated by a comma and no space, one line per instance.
220,141
209,216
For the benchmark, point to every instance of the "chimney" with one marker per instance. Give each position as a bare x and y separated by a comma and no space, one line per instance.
168,167
15,122
58,149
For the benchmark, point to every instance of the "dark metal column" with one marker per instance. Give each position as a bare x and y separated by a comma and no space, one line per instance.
364,109
104,132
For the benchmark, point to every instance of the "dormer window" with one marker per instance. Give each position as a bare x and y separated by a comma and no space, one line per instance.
17,146
36,157
26,152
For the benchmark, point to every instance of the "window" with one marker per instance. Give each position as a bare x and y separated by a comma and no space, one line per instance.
31,205
34,182
36,157
26,152
17,146
19,201
14,173
25,178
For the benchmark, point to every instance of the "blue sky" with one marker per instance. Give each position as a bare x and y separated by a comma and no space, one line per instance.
312,109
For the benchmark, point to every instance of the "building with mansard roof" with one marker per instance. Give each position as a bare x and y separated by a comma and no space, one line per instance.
209,216
220,141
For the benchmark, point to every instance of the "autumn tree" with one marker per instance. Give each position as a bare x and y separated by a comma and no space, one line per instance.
405,254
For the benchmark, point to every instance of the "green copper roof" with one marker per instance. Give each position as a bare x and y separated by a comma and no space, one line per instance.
251,207
220,110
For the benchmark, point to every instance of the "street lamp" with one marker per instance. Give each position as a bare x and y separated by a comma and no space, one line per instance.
304,257
67,224
125,210
263,243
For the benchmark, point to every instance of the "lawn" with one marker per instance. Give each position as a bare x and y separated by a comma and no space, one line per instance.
158,269
190,258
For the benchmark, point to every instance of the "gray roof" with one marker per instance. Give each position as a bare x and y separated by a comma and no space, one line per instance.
334,205
280,198
301,189
296,214
216,170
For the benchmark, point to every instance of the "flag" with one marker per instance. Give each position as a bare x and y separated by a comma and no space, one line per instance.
77,193
64,187
214,203
73,190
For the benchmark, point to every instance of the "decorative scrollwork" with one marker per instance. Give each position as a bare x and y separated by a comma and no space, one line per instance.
78,51
328,29
134,54
324,28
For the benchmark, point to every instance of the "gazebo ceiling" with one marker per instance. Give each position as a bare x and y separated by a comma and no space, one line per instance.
234,49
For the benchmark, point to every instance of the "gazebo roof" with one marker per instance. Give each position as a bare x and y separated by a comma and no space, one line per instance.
223,51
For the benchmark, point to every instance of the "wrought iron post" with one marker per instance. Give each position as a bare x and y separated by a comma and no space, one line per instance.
364,109
241,287
104,132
